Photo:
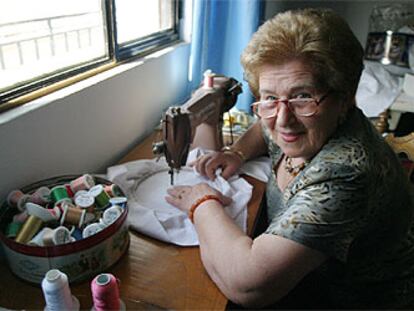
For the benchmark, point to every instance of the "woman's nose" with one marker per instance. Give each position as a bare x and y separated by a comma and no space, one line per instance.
284,116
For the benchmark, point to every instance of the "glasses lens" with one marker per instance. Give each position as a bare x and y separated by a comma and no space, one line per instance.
267,108
303,106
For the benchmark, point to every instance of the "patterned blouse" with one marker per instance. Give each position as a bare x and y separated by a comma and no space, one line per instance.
351,203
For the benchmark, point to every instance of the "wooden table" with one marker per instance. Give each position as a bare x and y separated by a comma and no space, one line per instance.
154,275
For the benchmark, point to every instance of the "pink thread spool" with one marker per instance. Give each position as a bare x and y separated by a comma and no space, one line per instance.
18,199
84,182
208,79
13,197
41,196
113,190
105,293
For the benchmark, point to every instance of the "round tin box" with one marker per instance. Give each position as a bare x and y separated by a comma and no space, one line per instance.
79,260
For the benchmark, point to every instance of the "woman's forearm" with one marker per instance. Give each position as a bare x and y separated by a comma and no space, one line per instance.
251,143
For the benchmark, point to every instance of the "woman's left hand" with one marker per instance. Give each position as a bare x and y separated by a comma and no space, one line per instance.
183,197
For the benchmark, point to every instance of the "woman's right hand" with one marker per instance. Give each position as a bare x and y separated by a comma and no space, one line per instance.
207,164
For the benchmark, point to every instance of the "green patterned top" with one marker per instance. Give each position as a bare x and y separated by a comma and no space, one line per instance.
351,203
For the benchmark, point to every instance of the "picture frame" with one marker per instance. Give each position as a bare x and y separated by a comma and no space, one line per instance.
389,47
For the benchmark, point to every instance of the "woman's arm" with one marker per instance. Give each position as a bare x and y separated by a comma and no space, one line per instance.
250,272
253,273
250,145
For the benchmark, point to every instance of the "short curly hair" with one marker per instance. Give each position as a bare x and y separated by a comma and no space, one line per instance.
319,37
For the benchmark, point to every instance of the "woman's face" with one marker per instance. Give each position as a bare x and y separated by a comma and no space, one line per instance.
298,136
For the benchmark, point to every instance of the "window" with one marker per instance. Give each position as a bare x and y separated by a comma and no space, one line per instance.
46,41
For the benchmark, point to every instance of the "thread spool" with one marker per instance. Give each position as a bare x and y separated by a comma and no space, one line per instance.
208,79
69,190
46,215
83,182
21,204
105,293
38,238
21,217
13,197
92,229
30,227
76,233
81,192
58,236
120,201
113,190
101,197
72,215
85,202
41,196
110,215
58,193
12,229
57,293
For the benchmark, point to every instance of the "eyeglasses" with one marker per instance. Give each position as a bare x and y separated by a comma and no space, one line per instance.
303,107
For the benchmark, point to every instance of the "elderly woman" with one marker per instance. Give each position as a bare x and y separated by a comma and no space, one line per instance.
338,204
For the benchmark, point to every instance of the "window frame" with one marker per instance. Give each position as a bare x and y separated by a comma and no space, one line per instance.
117,54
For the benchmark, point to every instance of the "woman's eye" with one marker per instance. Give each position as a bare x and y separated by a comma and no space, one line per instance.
302,95
270,98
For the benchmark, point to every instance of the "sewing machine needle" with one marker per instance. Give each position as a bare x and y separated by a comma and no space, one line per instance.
171,172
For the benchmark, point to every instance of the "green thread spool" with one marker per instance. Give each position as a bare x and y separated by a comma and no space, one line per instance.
58,193
12,229
101,197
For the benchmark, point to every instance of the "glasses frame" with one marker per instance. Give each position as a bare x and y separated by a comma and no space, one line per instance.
288,102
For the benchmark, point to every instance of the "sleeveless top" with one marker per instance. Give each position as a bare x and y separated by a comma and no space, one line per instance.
352,203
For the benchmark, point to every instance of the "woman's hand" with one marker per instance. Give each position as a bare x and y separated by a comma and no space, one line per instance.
207,164
183,197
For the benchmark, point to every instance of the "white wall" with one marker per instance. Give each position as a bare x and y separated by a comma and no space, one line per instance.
91,125
355,12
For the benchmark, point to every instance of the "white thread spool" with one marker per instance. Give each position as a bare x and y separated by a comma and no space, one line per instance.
110,215
57,293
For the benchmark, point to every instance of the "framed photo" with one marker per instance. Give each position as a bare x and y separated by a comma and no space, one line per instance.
389,47
375,47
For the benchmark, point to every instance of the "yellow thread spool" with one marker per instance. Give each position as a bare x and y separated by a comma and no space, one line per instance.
30,227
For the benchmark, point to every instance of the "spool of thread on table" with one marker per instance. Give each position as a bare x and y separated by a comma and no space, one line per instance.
105,293
30,227
57,293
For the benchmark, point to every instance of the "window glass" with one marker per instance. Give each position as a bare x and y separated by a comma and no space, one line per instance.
141,18
42,37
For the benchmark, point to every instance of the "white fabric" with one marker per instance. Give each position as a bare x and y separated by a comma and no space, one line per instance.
377,89
145,183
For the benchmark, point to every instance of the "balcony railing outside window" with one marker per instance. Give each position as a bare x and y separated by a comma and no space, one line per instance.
45,41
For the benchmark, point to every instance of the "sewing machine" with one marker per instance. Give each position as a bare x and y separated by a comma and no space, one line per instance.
198,121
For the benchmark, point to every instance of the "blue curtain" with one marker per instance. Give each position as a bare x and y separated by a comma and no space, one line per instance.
221,30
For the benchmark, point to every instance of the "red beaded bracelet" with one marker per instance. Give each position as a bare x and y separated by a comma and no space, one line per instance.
199,201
